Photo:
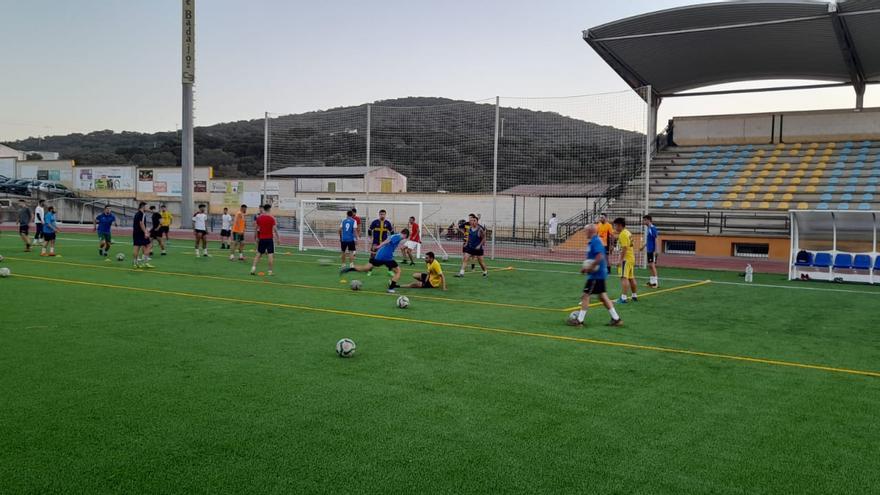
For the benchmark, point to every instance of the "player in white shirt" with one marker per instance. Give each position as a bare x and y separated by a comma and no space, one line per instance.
200,226
225,229
552,230
38,222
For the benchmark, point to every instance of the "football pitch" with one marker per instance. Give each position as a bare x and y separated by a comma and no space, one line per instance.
196,377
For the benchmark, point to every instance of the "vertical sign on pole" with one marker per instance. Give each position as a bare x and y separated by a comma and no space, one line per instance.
188,78
495,175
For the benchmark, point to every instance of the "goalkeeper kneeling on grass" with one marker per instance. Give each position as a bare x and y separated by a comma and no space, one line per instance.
384,257
433,278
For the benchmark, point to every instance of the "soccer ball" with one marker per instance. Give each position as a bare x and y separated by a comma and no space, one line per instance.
402,302
345,348
587,265
356,285
5,272
1,257
120,257
573,317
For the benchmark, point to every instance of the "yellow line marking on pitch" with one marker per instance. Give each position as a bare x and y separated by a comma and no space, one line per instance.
652,293
624,345
296,286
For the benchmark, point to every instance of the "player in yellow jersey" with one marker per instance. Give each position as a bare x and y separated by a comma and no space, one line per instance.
606,235
433,279
164,226
627,267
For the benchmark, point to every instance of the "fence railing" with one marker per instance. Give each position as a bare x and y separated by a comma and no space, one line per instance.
722,222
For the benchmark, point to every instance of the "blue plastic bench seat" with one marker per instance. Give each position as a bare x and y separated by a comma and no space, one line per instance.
822,260
843,261
861,262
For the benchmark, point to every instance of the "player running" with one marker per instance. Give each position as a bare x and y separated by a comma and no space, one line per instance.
238,226
39,213
167,218
433,278
475,240
225,229
596,277
50,231
24,221
384,257
104,224
348,237
651,245
200,229
140,237
265,235
412,244
626,269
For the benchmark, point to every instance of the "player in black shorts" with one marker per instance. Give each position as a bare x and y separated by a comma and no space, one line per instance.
140,238
474,242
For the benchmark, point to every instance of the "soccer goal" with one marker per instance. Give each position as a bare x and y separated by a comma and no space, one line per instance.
320,220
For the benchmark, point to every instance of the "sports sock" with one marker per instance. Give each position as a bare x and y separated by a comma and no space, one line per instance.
613,313
582,315
253,268
197,251
635,296
623,297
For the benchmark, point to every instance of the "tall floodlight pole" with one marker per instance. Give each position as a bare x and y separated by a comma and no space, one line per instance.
495,174
188,78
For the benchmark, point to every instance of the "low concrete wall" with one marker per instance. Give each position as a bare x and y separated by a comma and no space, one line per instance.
718,246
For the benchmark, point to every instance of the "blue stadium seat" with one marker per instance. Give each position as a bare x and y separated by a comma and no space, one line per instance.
741,159
822,206
877,263
846,197
699,195
849,144
692,204
713,173
658,204
866,143
849,189
861,262
822,260
682,174
681,195
703,189
873,180
675,204
843,261
710,204
837,172
671,188
676,181
806,261
871,189
875,171
724,161
860,163
842,206
725,181
707,183
686,189
692,182
852,180
864,206
702,168
715,196
698,154
665,195
693,161
830,189
867,197
839,165
825,197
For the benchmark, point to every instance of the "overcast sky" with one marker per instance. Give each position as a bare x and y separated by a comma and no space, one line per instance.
83,65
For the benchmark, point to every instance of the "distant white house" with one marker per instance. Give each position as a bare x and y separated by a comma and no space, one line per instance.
46,155
343,179
7,152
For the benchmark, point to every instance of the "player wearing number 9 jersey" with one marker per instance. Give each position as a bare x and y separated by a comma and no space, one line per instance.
348,238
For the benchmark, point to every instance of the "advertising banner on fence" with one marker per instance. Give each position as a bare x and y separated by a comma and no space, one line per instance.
105,178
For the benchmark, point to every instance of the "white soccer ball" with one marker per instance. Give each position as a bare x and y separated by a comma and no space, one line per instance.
587,265
402,302
356,285
5,272
120,257
573,317
345,348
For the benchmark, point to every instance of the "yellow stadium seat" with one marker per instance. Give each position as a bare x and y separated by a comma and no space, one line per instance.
773,188
759,180
781,173
750,196
736,188
754,188
810,189
755,159
787,197
776,152
802,206
808,159
727,204
810,152
803,166
763,173
780,146
745,204
769,197
764,205
760,152
794,152
817,173
813,181
783,205
797,146
784,166
773,158
830,146
814,146
732,195
799,173
742,180
796,180
821,165
792,189
751,166
746,173
777,180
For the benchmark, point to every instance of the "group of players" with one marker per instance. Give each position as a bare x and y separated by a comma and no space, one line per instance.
45,227
605,238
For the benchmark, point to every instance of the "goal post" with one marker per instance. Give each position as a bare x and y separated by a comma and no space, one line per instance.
319,220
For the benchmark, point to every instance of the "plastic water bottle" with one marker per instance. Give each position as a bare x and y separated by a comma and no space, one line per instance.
749,272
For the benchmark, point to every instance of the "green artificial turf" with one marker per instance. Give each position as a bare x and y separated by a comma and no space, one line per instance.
210,381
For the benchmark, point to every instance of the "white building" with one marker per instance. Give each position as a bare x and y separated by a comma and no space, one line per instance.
7,152
343,179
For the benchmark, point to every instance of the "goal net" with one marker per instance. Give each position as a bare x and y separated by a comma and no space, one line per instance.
321,220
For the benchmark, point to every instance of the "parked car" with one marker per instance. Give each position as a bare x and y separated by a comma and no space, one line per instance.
56,188
19,186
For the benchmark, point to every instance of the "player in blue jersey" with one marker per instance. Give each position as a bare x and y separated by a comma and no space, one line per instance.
384,257
596,276
650,245
473,247
103,226
348,237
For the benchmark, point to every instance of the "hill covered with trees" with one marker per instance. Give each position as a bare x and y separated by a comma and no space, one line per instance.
439,144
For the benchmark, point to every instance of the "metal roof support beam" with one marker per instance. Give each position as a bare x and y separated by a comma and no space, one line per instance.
850,56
